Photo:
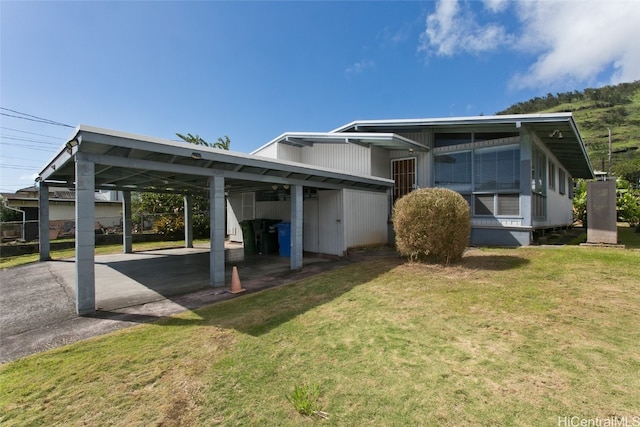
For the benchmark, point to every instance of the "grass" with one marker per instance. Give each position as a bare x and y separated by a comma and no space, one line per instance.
508,337
627,236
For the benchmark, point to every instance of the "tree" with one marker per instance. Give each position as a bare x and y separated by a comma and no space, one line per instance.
629,170
222,143
7,214
167,210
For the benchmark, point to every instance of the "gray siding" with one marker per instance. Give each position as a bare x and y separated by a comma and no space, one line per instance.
380,162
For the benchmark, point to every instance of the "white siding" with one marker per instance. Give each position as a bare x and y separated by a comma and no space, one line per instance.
331,225
270,151
365,218
235,201
289,152
274,210
347,157
233,225
234,216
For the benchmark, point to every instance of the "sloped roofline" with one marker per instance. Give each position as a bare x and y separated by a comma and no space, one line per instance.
451,121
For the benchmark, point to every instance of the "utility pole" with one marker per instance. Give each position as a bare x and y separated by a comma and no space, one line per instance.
609,171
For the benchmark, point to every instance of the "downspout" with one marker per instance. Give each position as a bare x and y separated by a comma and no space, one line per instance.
24,216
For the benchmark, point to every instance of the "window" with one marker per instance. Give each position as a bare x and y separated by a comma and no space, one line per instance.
538,171
453,171
508,204
484,204
497,204
448,139
538,188
562,181
497,168
552,175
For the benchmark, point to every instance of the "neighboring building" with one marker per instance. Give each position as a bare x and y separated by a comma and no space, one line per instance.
516,172
62,210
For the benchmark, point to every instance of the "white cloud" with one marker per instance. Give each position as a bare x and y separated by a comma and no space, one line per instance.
453,29
359,67
577,41
571,40
496,5
31,178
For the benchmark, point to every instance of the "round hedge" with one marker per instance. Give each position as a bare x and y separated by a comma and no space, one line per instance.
432,224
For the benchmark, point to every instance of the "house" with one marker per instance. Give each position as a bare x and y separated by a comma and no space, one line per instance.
515,171
62,212
335,189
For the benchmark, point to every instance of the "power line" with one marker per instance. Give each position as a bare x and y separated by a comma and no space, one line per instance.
32,118
30,147
30,133
16,138
20,167
2,156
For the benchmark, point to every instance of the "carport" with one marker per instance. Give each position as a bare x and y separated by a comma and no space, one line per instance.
101,159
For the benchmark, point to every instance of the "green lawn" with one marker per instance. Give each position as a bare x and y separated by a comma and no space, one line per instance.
509,337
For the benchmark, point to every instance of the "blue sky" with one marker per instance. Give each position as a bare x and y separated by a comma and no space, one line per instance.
253,70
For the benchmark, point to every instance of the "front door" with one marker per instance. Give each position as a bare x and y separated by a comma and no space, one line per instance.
403,172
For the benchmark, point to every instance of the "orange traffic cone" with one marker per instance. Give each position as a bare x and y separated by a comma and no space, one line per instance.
236,286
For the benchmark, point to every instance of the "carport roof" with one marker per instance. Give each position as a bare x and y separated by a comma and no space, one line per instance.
558,131
126,161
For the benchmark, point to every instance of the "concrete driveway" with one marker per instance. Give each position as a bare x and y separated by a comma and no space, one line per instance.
37,301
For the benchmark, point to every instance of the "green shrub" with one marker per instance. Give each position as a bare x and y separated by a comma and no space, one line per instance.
432,223
170,226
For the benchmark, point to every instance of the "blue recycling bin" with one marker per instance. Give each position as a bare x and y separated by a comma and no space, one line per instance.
284,238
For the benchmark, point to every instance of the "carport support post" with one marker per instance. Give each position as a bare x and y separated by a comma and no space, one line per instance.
127,227
85,235
217,230
43,222
188,221
296,227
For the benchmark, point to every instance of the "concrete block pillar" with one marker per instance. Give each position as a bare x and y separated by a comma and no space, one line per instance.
217,231
43,222
127,225
296,226
85,235
601,213
188,221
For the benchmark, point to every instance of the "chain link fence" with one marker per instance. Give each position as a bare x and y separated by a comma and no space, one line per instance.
27,231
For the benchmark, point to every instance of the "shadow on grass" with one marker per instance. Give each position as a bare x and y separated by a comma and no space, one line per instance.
257,314
122,317
493,262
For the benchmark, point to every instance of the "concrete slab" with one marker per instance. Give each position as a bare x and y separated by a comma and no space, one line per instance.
37,301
